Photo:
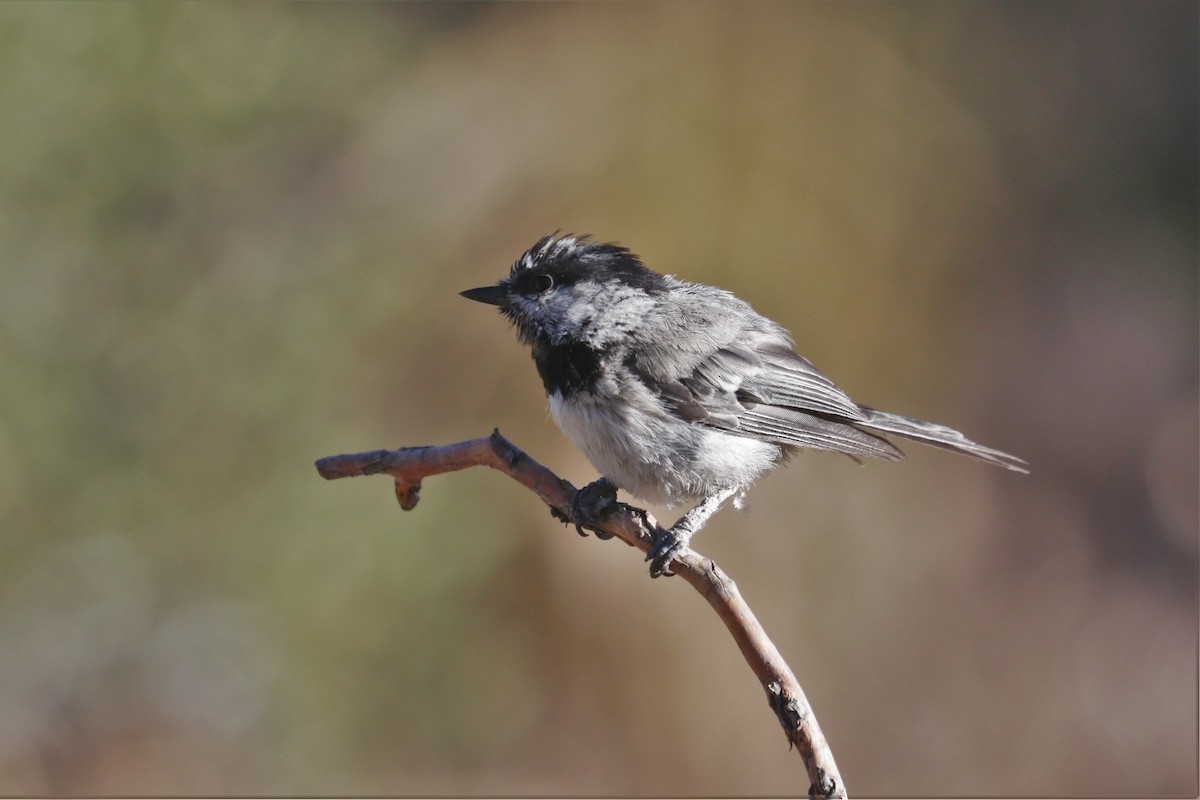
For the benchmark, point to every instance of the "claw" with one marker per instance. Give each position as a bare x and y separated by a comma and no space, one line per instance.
592,504
668,543
666,547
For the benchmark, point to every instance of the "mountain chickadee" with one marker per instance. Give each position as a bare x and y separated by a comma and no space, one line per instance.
678,391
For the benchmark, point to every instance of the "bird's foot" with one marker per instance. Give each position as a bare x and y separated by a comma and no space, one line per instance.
667,545
592,505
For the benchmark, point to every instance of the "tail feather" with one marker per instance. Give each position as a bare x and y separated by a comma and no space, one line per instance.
937,436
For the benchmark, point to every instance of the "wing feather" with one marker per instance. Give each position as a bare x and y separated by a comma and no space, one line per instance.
714,362
751,383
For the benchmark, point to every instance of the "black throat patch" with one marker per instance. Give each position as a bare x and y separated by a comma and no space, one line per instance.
566,368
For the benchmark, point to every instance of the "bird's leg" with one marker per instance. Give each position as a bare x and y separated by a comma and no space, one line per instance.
592,504
668,544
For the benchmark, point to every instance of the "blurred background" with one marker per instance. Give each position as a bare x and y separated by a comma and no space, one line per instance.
231,238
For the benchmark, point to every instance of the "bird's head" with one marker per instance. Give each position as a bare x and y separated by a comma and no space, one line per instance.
571,289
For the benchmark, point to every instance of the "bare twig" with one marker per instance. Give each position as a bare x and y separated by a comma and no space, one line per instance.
637,528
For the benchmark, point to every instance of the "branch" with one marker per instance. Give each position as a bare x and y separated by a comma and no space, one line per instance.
636,528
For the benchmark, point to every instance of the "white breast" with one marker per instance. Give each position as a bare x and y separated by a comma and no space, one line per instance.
655,456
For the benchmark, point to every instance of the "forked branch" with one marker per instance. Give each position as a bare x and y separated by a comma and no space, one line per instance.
637,528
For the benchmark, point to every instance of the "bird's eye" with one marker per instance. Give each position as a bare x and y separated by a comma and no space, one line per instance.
543,282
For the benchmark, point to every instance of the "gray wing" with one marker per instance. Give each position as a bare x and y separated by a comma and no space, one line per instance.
736,371
761,395
731,369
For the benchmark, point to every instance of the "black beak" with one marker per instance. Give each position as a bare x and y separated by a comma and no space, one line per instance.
492,295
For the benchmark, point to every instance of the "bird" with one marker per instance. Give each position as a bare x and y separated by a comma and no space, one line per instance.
679,392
